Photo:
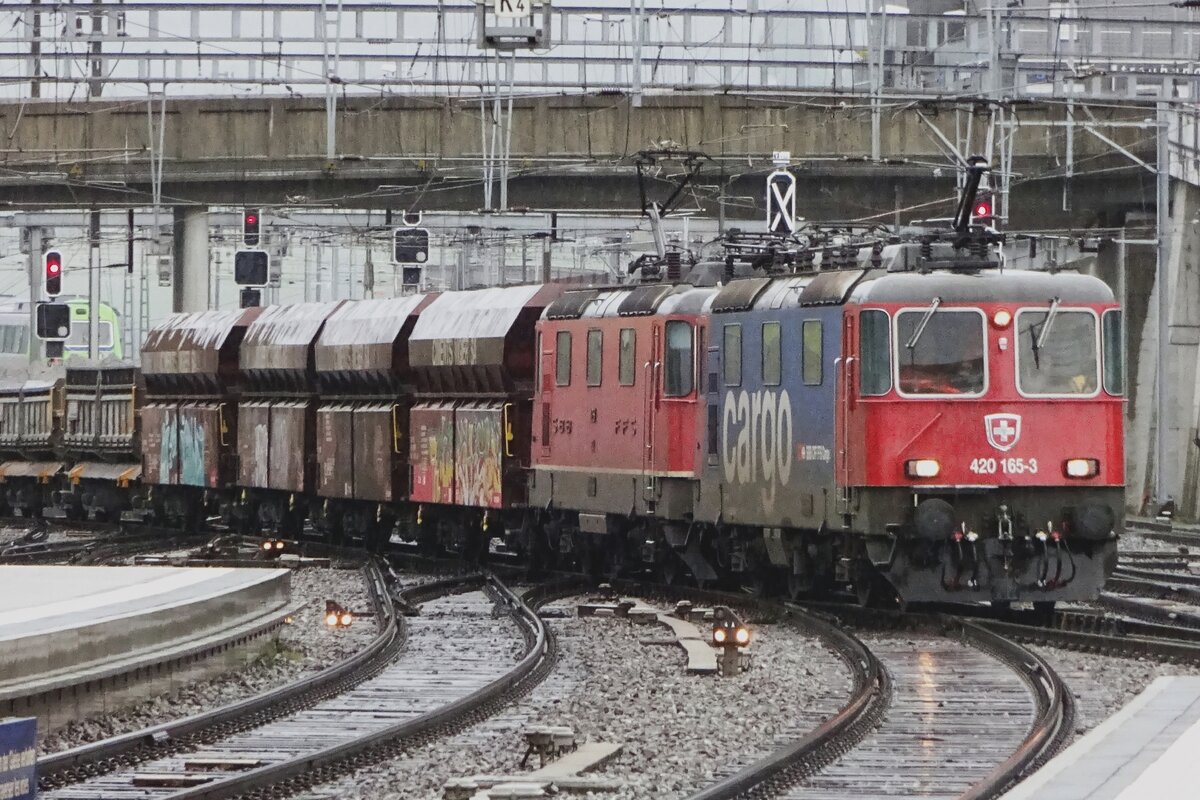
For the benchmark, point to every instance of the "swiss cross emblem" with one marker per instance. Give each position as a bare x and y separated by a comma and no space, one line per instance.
1003,430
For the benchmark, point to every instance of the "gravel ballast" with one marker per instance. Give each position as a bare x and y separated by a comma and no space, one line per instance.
678,730
1103,684
306,646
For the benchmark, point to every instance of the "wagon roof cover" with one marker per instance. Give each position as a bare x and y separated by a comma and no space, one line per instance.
288,325
198,330
476,314
365,322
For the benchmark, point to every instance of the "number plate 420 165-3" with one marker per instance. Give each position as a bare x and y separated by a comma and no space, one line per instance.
1004,466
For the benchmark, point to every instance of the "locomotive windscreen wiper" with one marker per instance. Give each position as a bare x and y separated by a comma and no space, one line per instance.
1039,339
912,343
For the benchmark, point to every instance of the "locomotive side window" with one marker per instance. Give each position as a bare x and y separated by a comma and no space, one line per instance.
731,354
940,351
1114,353
562,358
875,350
1057,352
627,368
812,352
595,353
771,359
678,380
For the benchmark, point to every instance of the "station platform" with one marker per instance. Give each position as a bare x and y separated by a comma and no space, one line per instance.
76,640
1146,751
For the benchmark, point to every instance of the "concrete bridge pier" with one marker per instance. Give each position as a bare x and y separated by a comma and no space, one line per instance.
1182,384
190,276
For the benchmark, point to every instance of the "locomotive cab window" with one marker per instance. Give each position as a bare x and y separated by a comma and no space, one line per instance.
1057,352
875,351
1114,353
812,352
731,354
678,380
771,359
627,368
562,358
595,354
939,351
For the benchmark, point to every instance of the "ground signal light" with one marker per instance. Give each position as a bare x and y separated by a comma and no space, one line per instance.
54,270
336,616
272,548
251,227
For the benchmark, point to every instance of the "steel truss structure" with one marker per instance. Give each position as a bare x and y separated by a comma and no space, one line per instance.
80,47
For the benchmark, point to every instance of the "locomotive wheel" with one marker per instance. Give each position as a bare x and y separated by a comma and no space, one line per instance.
797,586
671,570
872,591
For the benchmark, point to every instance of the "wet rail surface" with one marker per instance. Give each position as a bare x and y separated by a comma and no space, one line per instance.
454,648
956,714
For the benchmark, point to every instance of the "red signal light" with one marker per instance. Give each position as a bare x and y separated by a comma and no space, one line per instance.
983,209
53,273
250,227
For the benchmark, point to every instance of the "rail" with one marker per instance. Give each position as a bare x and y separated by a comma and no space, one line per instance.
70,766
1052,724
325,763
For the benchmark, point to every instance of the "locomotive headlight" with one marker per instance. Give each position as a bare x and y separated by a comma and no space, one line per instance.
922,468
1002,318
1081,467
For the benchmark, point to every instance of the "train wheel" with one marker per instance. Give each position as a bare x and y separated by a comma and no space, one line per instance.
872,591
671,570
797,585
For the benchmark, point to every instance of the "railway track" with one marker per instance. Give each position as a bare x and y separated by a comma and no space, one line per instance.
128,750
923,699
455,667
941,736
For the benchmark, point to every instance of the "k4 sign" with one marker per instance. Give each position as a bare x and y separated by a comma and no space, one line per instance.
512,8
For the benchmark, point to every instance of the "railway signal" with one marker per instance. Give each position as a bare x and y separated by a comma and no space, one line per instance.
54,269
250,298
251,227
983,209
781,202
729,634
338,616
53,321
251,267
410,246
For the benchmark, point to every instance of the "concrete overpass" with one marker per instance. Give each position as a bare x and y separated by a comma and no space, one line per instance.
571,153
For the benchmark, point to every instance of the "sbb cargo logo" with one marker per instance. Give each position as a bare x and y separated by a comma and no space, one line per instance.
756,440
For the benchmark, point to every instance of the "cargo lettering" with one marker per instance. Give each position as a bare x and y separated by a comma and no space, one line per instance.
756,439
